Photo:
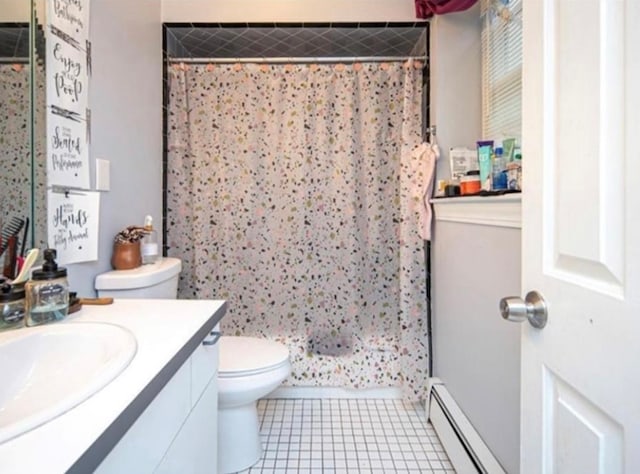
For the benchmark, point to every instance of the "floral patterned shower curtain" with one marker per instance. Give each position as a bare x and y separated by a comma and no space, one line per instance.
293,194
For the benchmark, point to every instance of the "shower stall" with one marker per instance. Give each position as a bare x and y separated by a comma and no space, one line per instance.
293,190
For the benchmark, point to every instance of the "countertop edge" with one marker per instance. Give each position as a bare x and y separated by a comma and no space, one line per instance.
103,445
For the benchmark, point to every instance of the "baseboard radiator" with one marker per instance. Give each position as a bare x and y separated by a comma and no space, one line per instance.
466,450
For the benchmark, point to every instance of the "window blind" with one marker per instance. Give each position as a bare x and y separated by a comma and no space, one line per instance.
501,68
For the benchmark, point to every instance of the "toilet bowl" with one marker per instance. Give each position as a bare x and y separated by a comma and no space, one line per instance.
250,368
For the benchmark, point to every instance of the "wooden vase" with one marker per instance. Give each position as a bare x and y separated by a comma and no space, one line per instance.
126,255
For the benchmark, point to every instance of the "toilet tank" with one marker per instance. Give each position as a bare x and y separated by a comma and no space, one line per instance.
157,281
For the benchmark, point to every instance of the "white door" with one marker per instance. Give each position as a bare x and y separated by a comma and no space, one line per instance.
581,236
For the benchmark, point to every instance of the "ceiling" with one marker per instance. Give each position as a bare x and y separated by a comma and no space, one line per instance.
297,40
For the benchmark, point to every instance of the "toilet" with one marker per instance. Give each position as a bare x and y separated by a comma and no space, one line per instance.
250,368
156,281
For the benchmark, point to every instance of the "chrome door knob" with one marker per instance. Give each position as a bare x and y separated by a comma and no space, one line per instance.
533,308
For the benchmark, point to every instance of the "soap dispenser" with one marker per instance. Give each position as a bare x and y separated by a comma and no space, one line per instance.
47,293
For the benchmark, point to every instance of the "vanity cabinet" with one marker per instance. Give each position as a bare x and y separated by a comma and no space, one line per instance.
177,432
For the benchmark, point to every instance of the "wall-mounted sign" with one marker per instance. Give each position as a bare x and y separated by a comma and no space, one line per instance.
73,225
70,16
67,73
68,149
73,217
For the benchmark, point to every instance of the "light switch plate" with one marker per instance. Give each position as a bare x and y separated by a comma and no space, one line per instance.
103,180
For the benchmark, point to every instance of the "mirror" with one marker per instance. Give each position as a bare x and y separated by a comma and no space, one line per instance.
15,124
22,131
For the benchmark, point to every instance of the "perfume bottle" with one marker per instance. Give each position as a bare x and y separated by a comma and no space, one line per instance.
47,293
149,248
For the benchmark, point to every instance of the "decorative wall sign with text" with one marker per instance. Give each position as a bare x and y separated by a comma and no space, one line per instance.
68,150
67,73
68,116
73,225
70,16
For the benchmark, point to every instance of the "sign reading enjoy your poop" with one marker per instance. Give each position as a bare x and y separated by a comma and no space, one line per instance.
73,225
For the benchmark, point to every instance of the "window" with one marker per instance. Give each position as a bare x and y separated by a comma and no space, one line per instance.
501,68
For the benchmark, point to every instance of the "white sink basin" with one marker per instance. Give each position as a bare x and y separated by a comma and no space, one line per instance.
47,370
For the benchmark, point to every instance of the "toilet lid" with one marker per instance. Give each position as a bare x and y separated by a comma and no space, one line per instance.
240,354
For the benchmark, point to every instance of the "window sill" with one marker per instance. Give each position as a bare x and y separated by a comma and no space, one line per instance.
497,211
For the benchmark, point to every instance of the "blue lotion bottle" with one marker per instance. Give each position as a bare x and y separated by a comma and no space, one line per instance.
499,170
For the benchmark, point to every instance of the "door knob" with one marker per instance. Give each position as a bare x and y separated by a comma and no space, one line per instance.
533,308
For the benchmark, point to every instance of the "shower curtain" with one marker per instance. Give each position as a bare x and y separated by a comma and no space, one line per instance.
15,165
292,193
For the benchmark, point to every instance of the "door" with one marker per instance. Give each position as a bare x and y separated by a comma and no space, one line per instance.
581,236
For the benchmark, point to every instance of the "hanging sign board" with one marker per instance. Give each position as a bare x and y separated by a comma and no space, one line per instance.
68,150
67,73
70,16
73,225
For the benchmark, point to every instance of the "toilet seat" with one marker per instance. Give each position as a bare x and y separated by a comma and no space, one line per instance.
242,356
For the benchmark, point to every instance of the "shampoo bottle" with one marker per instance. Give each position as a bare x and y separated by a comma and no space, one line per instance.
149,248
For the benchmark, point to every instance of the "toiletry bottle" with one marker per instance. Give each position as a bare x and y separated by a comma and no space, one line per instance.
47,293
149,242
499,175
11,305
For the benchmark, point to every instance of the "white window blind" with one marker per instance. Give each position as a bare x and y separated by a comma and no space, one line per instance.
501,68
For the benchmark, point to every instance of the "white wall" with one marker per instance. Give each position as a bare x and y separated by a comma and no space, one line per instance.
286,10
14,11
456,94
476,353
126,107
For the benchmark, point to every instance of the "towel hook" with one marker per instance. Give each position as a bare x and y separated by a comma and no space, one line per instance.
432,135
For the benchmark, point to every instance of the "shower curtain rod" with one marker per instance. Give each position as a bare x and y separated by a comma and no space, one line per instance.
281,60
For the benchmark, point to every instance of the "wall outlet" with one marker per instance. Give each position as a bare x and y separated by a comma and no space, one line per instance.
103,180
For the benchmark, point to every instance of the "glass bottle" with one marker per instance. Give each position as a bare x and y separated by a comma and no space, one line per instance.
11,305
47,293
149,246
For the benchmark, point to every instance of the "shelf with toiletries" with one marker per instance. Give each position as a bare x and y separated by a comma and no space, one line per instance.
493,168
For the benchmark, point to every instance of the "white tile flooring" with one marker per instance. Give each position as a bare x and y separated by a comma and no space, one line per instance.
347,436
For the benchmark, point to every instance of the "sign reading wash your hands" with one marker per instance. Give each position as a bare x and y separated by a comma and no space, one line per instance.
68,65
73,225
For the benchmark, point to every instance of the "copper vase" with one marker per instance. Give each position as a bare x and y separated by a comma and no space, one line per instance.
126,255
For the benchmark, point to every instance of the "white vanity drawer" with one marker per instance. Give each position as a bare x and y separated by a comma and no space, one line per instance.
204,364
195,448
145,443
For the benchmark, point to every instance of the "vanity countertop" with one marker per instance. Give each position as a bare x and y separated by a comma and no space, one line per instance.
167,332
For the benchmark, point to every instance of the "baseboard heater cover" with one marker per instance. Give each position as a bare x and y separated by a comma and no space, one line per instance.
467,451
